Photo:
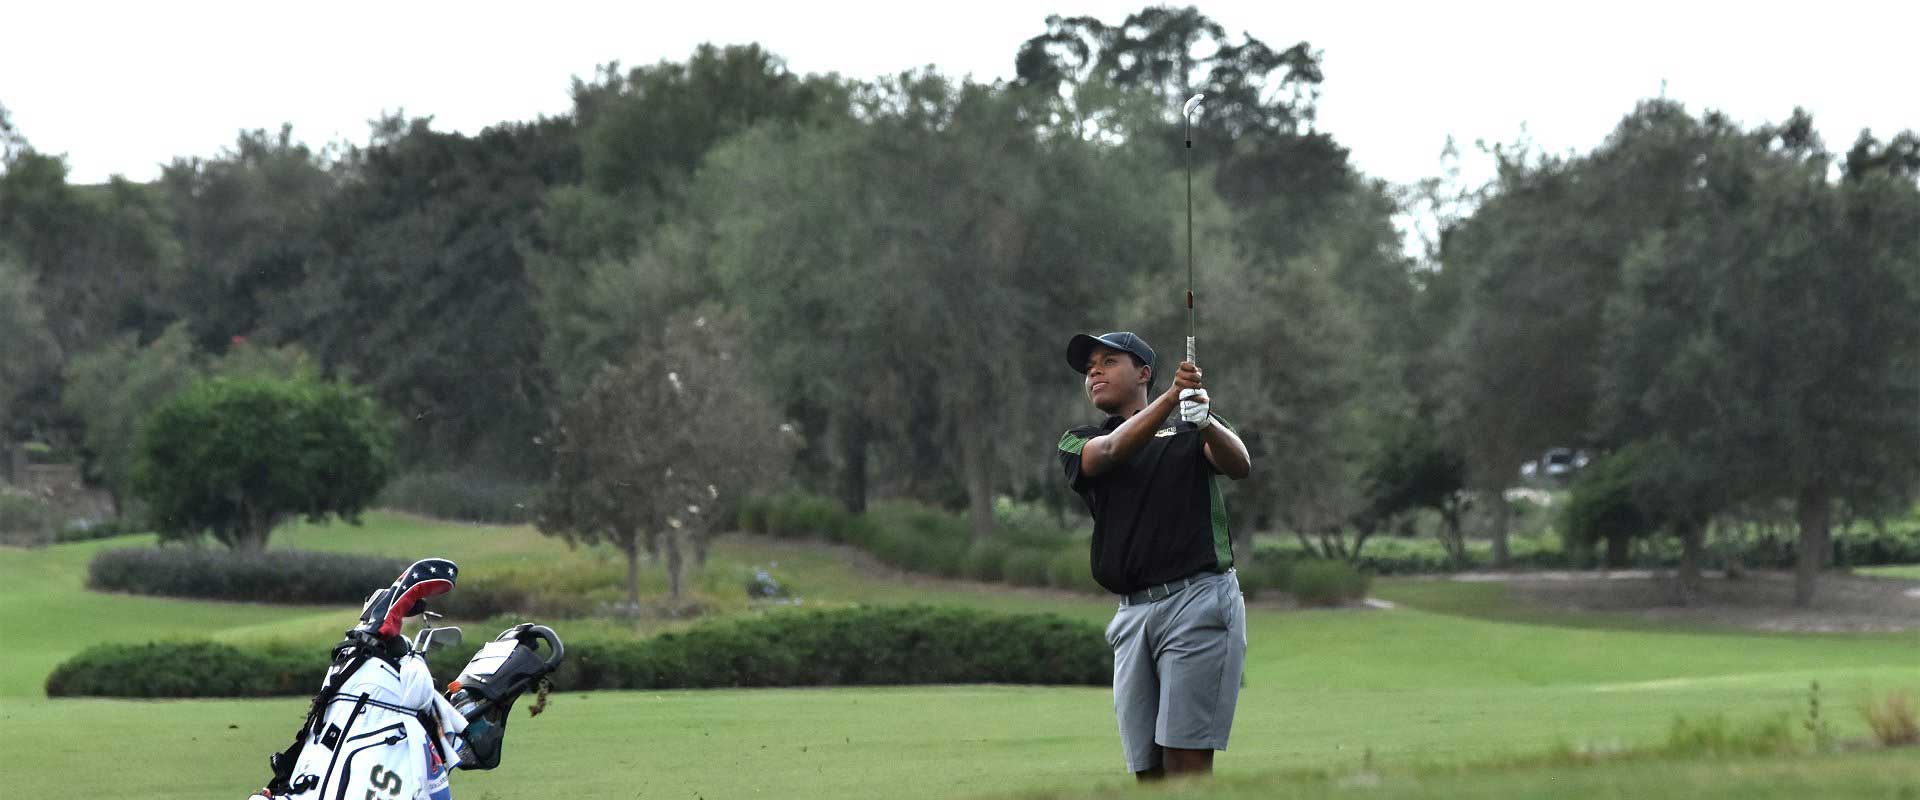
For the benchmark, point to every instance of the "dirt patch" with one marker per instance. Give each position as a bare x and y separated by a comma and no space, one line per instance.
1754,601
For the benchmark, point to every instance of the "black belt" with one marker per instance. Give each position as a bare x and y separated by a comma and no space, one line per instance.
1162,591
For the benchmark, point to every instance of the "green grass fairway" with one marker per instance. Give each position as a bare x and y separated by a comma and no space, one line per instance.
1907,571
1890,774
1457,676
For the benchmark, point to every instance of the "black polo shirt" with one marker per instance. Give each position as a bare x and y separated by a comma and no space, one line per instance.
1159,516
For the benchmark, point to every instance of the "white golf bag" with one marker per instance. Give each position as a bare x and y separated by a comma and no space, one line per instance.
379,730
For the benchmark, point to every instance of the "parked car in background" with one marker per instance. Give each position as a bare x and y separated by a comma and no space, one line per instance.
1556,465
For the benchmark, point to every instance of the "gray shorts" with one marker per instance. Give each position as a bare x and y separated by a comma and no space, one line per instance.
1176,669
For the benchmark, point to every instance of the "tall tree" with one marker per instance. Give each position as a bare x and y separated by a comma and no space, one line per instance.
1536,264
1773,333
644,133
1172,53
112,389
100,261
248,225
31,358
421,290
942,192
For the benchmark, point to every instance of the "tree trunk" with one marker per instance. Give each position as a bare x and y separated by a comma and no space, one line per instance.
977,462
1814,511
251,534
1692,536
1362,531
813,462
1502,517
854,433
1450,534
676,542
1619,551
631,547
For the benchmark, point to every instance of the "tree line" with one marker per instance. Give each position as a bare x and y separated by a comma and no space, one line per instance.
744,275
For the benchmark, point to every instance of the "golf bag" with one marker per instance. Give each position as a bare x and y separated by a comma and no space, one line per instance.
493,679
377,728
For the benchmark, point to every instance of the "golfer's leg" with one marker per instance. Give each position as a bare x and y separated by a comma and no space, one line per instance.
1136,689
1200,664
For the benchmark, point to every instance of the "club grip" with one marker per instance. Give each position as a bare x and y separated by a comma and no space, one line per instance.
1190,350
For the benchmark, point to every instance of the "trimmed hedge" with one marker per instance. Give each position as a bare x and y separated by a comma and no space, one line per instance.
292,576
187,669
845,647
275,576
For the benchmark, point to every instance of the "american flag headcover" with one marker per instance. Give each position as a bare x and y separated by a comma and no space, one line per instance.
422,579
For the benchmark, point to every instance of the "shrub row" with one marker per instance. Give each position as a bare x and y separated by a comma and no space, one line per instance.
289,576
188,669
461,495
1312,581
853,647
844,647
1426,557
922,539
86,531
278,576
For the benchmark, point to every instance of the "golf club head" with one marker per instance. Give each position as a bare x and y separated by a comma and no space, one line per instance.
1192,103
435,638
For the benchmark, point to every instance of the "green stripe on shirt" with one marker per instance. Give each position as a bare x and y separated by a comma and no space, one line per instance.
1069,443
1222,538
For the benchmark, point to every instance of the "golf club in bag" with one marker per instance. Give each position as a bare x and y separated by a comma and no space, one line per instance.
493,679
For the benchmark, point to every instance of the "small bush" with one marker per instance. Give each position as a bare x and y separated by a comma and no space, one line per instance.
986,560
1892,720
1326,582
1712,736
752,515
1268,573
1027,524
1027,566
798,515
277,576
25,519
846,647
86,531
461,495
1069,568
918,538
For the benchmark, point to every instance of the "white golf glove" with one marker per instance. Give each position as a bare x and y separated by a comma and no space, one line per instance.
1199,412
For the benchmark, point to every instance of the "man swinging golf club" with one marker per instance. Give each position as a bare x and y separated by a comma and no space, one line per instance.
1161,542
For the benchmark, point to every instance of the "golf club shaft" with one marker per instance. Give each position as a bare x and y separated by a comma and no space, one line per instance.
1186,117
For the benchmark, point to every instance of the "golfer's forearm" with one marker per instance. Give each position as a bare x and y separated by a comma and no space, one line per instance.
1104,452
1227,452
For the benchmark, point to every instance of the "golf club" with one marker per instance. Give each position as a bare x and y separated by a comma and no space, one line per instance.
1186,115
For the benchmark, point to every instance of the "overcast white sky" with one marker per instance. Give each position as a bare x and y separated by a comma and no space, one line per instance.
123,89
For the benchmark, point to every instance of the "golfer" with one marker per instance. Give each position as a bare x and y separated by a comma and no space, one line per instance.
1160,543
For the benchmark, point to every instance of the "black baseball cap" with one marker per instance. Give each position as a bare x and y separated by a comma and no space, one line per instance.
1081,347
